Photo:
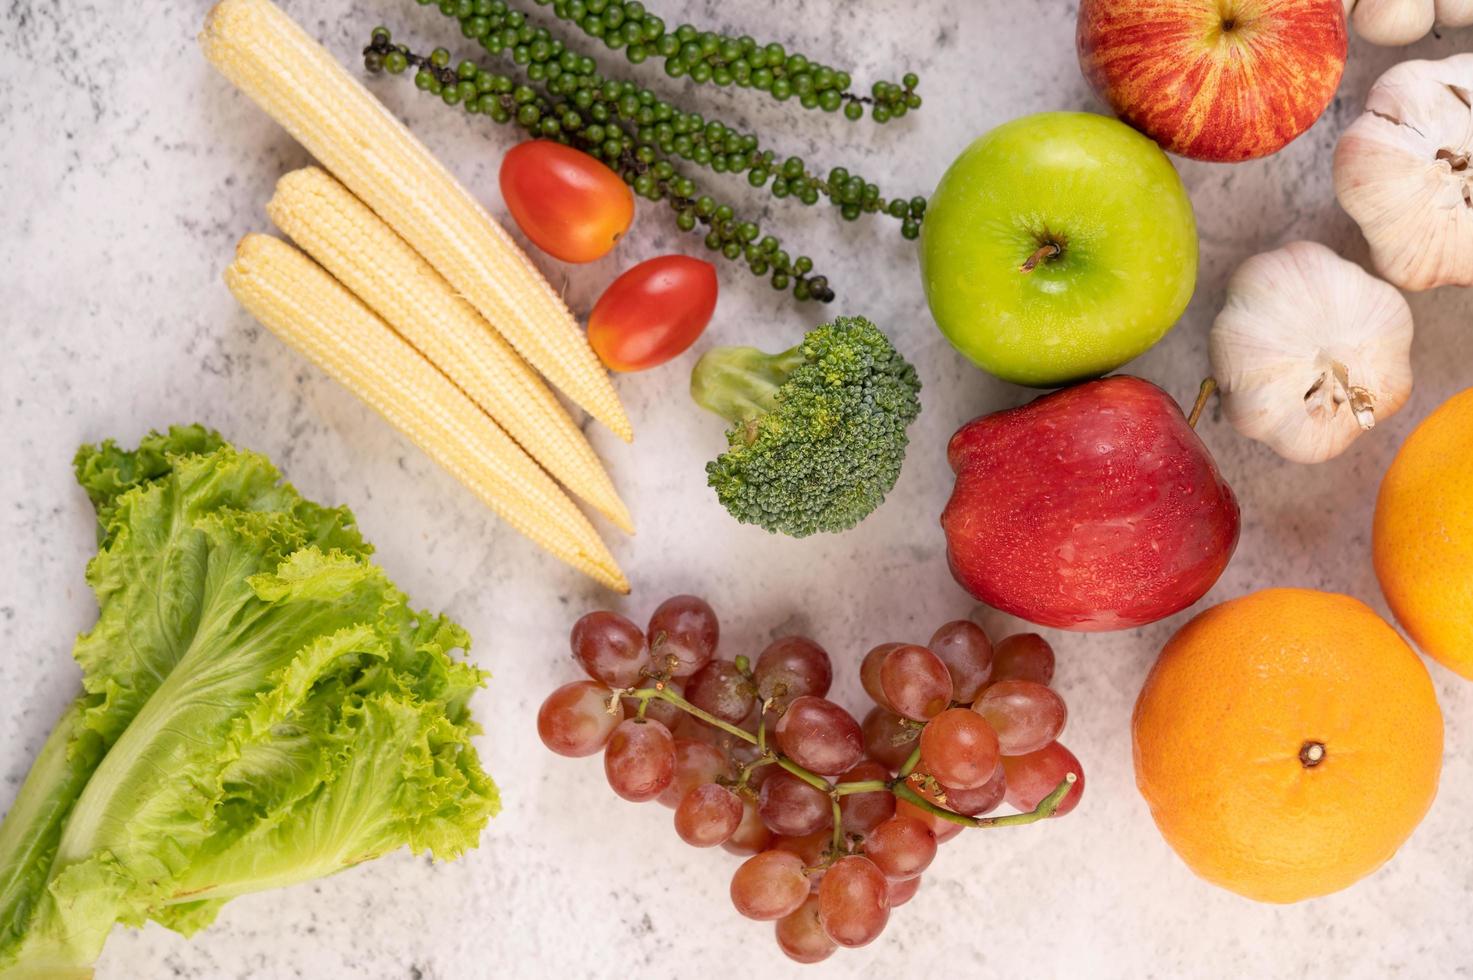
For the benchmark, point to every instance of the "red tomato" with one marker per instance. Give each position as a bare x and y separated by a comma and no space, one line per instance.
653,312
572,206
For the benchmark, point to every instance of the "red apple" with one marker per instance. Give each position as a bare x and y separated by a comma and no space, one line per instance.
1221,80
1092,508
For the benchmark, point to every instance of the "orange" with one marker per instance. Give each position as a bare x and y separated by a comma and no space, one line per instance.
1287,742
1422,541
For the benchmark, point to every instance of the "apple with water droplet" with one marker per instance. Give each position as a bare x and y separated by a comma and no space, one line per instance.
1092,508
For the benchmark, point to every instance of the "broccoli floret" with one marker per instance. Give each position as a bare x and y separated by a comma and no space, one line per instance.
818,432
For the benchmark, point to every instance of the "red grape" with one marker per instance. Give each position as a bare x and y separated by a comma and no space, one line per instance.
853,901
983,799
575,719
959,748
800,935
659,709
903,891
792,807
610,648
1023,657
862,812
695,763
640,759
751,835
967,653
792,667
887,738
810,847
901,847
1025,714
944,829
719,688
915,682
683,629
869,673
769,885
820,736
708,815
1034,776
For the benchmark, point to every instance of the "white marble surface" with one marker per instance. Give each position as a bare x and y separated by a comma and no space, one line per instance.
130,169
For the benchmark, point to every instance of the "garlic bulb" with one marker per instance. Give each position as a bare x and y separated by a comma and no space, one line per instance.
1396,22
1404,172
1310,351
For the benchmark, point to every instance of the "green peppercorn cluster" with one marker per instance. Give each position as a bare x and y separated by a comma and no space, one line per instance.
705,56
639,135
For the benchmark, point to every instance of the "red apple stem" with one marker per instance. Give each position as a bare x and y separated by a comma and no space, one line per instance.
1046,251
1209,386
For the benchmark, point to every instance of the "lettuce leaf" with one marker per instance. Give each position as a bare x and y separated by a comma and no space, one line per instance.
260,706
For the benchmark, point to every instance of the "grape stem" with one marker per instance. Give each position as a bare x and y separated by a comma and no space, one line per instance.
665,694
862,786
911,762
1045,809
897,786
746,774
817,782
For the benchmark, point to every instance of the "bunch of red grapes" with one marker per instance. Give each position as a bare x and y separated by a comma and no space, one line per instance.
837,819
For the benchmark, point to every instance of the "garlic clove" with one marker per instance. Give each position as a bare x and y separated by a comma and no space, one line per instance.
1392,22
1404,172
1310,351
1455,13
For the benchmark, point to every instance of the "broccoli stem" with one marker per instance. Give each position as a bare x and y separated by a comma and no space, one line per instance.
740,383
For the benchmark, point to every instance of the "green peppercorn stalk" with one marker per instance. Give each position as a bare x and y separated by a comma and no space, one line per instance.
503,29
709,57
900,786
651,176
636,133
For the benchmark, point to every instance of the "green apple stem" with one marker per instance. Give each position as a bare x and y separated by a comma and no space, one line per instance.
1205,392
1046,251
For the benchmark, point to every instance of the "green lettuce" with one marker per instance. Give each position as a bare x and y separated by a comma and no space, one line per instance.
261,706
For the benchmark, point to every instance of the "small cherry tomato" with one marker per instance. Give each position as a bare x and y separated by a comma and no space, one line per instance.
653,312
572,206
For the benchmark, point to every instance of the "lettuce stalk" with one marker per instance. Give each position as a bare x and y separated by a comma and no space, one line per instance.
261,706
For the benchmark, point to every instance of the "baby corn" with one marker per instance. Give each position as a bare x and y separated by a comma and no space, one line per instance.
363,253
270,58
318,316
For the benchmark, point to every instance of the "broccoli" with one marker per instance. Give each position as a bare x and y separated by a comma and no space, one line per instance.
818,432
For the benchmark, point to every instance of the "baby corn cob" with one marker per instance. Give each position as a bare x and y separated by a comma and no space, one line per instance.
272,60
318,316
351,242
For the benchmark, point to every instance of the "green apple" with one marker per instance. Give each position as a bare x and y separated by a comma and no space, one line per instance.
1057,247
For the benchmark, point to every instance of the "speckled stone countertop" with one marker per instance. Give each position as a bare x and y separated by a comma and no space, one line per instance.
129,171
